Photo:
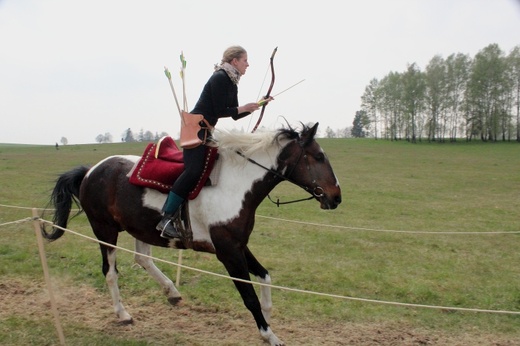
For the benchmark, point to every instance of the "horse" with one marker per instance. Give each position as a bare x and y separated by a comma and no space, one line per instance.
222,216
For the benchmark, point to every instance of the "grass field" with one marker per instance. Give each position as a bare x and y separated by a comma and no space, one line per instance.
415,226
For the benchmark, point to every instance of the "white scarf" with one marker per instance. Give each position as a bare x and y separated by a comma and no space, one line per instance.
231,71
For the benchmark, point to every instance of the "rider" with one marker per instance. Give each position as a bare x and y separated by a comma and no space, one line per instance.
219,99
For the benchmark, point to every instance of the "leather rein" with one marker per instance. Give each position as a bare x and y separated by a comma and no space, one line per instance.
316,192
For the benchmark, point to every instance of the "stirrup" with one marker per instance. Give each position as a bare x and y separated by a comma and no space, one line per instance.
167,228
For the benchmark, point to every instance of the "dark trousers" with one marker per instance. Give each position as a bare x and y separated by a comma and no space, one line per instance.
194,160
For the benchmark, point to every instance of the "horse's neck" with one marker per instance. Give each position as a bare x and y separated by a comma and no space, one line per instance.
241,176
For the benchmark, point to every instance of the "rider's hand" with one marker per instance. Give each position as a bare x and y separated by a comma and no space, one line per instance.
249,107
265,100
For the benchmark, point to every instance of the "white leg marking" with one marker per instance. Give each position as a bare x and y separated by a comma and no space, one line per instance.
111,279
265,298
269,336
267,303
147,263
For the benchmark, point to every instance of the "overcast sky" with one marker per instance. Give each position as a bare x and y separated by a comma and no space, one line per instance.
77,69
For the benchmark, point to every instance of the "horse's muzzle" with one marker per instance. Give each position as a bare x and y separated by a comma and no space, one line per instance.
330,202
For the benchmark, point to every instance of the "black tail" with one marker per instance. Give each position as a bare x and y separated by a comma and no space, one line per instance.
65,192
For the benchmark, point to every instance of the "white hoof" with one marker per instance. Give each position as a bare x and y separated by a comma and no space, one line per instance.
269,336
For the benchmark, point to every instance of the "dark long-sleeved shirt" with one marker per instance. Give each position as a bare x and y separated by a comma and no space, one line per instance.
219,99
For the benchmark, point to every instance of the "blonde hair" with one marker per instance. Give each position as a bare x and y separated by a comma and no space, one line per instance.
232,53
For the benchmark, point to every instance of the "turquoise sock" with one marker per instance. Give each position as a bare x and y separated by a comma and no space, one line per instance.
173,202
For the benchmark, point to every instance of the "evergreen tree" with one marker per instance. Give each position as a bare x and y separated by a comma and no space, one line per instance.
360,125
128,136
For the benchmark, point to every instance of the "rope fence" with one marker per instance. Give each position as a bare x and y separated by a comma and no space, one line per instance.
327,225
289,289
382,230
37,222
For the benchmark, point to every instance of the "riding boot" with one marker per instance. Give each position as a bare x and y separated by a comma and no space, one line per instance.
171,211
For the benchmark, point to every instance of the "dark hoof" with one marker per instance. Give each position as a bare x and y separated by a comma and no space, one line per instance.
174,300
126,322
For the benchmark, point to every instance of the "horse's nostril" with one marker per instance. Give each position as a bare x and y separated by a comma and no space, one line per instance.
337,200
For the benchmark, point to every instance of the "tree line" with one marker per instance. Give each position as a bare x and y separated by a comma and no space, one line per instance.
129,136
456,97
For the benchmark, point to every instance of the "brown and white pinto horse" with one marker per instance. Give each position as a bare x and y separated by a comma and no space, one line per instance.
222,216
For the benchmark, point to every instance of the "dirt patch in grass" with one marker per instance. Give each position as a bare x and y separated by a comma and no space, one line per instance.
191,324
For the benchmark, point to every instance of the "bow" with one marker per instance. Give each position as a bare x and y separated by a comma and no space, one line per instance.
264,104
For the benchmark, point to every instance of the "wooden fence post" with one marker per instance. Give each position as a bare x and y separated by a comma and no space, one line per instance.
179,261
43,259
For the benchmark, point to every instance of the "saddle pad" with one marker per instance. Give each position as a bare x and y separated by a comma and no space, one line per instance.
162,163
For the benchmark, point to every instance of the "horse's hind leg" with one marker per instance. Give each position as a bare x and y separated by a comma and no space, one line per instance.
262,275
147,263
111,276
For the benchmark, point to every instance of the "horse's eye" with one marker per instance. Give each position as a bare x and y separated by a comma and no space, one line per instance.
320,157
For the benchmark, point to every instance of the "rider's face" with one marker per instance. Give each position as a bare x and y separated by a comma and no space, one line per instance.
241,64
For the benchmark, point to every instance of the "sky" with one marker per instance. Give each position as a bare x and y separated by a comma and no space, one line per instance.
78,69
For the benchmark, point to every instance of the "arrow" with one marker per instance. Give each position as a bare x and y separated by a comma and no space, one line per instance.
261,102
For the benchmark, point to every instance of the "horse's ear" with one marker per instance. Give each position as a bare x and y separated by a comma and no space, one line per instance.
309,133
314,129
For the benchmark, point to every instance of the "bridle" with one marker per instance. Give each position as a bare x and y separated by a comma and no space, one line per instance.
316,191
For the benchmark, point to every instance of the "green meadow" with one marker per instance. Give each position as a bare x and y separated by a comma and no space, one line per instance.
428,224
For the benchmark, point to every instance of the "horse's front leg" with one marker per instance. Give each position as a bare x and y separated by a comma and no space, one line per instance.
147,263
262,274
234,259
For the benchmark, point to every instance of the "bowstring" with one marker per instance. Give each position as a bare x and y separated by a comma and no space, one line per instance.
259,92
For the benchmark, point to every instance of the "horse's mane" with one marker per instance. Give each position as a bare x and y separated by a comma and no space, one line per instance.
248,143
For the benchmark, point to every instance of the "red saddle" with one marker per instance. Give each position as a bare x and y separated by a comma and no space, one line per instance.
162,163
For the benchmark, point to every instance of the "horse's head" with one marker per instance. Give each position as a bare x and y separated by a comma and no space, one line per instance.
304,162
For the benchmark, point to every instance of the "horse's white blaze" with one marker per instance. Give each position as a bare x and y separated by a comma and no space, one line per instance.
335,176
